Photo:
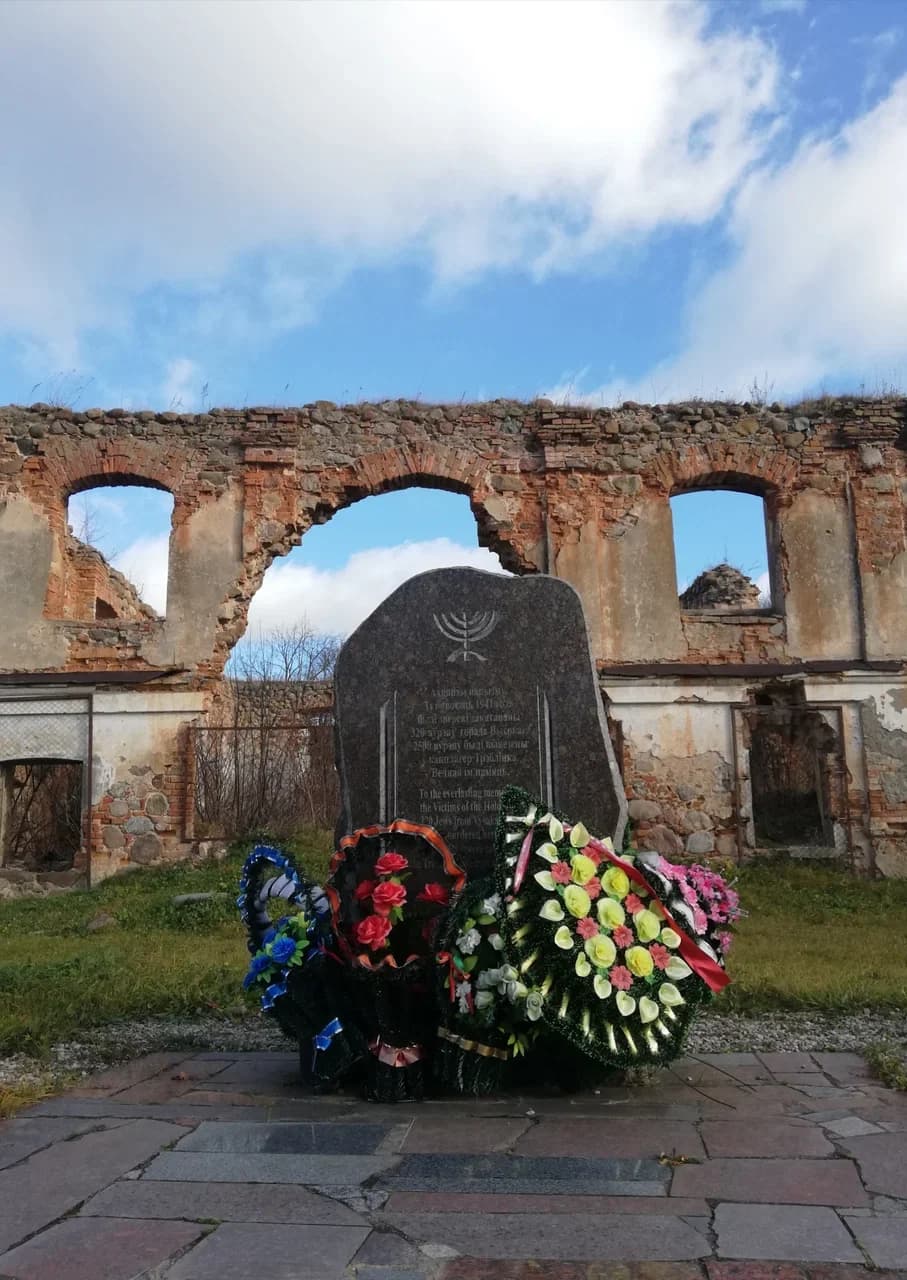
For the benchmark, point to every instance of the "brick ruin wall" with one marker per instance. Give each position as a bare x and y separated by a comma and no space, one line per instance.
582,494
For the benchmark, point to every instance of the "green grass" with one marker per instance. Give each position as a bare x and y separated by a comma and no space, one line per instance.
889,1064
814,939
818,939
57,978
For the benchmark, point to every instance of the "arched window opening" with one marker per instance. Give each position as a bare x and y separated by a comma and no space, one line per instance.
266,755
344,568
721,551
116,553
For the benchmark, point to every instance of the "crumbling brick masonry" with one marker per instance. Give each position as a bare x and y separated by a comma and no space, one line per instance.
577,493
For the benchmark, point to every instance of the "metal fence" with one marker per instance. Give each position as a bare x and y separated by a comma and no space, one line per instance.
271,779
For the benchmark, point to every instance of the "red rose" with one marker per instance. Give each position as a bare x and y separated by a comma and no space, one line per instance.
434,892
364,890
388,863
372,932
388,895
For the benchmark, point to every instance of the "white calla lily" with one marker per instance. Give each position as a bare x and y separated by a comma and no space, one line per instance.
547,851
555,829
648,1009
625,1004
582,967
579,836
601,986
669,995
546,880
677,969
564,939
552,910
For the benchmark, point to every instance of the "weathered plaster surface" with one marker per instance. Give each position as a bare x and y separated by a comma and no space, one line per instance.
580,493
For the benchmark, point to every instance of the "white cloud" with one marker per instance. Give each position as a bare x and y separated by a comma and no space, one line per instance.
180,144
335,601
818,285
144,563
181,385
332,601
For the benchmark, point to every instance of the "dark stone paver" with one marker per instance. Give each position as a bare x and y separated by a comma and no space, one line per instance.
882,1158
97,1249
52,1182
467,1202
239,1250
770,1138
227,1166
884,1239
808,1182
219,1201
799,1233
535,1175
572,1237
286,1139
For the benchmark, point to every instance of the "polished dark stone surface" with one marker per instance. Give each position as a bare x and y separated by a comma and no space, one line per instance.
460,684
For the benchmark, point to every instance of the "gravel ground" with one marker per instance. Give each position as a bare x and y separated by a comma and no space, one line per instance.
711,1033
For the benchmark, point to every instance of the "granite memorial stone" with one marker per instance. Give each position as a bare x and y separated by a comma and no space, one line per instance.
460,683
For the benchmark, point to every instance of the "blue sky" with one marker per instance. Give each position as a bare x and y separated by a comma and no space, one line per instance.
271,203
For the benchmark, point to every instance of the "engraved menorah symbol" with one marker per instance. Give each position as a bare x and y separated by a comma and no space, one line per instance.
466,629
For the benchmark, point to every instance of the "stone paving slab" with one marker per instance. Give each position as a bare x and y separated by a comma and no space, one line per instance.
20,1138
470,1135
882,1158
113,1079
99,1109
884,1239
263,1157
227,1166
51,1182
219,1201
286,1139
466,1202
800,1233
851,1127
532,1174
240,1251
770,1138
173,1083
611,1137
97,1249
572,1237
807,1182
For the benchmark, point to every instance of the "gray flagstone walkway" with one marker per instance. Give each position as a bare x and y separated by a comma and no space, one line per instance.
784,1166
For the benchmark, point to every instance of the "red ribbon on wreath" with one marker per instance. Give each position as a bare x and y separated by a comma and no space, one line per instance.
704,966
